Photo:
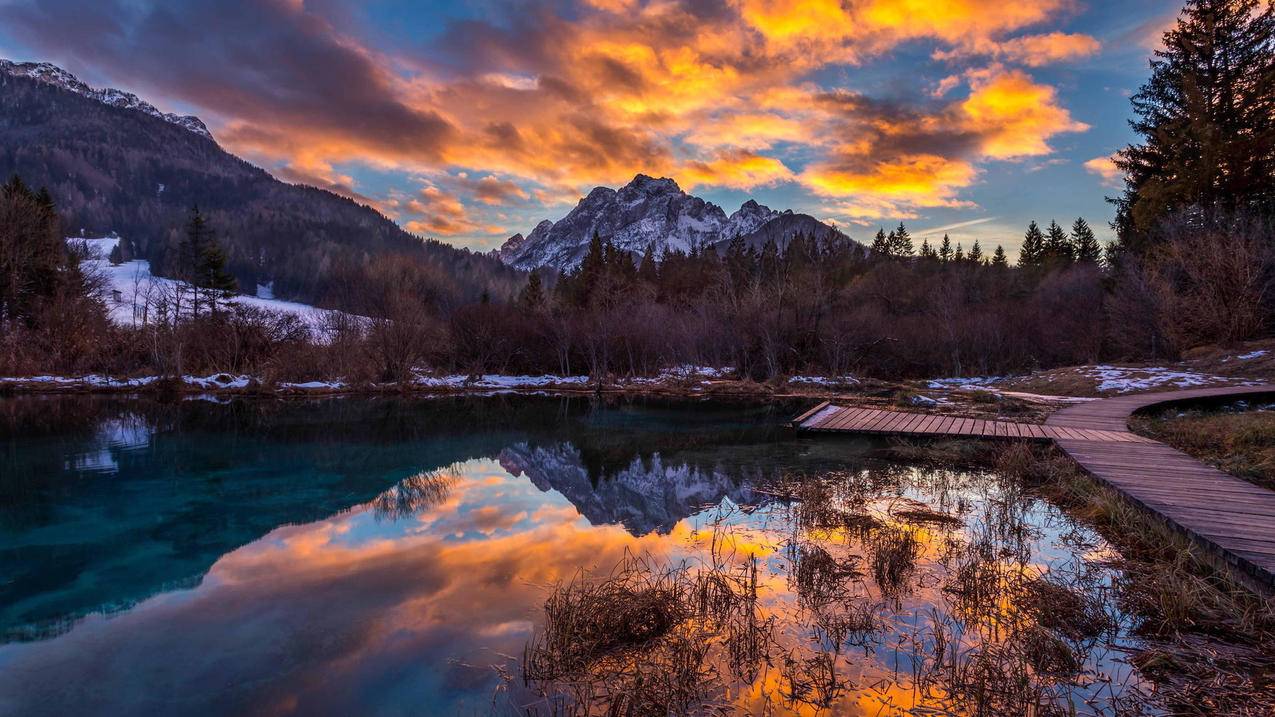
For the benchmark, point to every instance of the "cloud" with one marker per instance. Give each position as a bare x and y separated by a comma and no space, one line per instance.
559,96
1015,116
738,170
438,213
1029,50
898,158
1105,167
884,187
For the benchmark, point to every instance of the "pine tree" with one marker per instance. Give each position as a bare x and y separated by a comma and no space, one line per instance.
945,249
1058,252
881,244
648,269
976,254
1206,117
1032,253
116,257
592,267
901,243
211,275
999,260
532,298
190,253
959,255
1085,243
927,251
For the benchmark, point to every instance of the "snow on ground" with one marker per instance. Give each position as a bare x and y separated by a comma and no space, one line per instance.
499,381
979,383
131,291
825,380
1125,379
1251,355
92,380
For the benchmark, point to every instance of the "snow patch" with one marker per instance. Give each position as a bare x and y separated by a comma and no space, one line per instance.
132,294
825,380
1123,379
978,383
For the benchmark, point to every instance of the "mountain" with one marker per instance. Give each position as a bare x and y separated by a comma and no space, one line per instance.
646,497
60,78
656,214
114,163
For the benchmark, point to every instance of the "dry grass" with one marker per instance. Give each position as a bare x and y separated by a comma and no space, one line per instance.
1182,600
1240,443
638,640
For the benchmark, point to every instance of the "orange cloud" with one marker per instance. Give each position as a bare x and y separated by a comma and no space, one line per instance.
1015,116
1029,50
442,214
1105,167
738,170
881,188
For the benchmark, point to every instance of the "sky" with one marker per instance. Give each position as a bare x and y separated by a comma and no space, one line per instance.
470,121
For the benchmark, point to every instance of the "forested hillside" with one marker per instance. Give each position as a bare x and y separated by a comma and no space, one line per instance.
113,169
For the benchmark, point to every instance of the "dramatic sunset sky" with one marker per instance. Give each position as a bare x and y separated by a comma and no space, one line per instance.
469,121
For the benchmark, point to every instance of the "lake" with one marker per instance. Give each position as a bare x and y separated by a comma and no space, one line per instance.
393,556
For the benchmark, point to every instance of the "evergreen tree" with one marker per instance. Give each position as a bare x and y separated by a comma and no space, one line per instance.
648,269
901,243
881,244
1085,243
211,275
1033,251
1206,117
959,255
945,249
592,267
1058,253
116,256
999,260
202,263
532,298
976,253
198,234
768,264
927,251
35,266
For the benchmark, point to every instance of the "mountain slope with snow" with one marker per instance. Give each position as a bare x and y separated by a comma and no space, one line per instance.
133,295
647,213
58,77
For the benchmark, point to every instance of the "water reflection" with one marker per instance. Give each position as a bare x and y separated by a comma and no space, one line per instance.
382,558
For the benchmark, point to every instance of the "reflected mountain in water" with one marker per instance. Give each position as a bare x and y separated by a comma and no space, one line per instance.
648,496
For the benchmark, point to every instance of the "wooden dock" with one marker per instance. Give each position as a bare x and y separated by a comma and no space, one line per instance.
1232,518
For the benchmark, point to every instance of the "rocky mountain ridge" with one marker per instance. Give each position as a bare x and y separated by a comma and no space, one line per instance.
51,74
650,213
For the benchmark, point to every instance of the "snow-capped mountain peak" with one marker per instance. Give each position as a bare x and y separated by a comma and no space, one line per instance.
747,219
51,74
647,213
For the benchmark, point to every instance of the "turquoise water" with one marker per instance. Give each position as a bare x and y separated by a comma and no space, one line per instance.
392,556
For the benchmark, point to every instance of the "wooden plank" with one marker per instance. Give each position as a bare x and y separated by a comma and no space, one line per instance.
818,407
887,417
843,419
904,418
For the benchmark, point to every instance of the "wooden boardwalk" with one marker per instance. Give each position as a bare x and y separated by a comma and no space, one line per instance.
1232,518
